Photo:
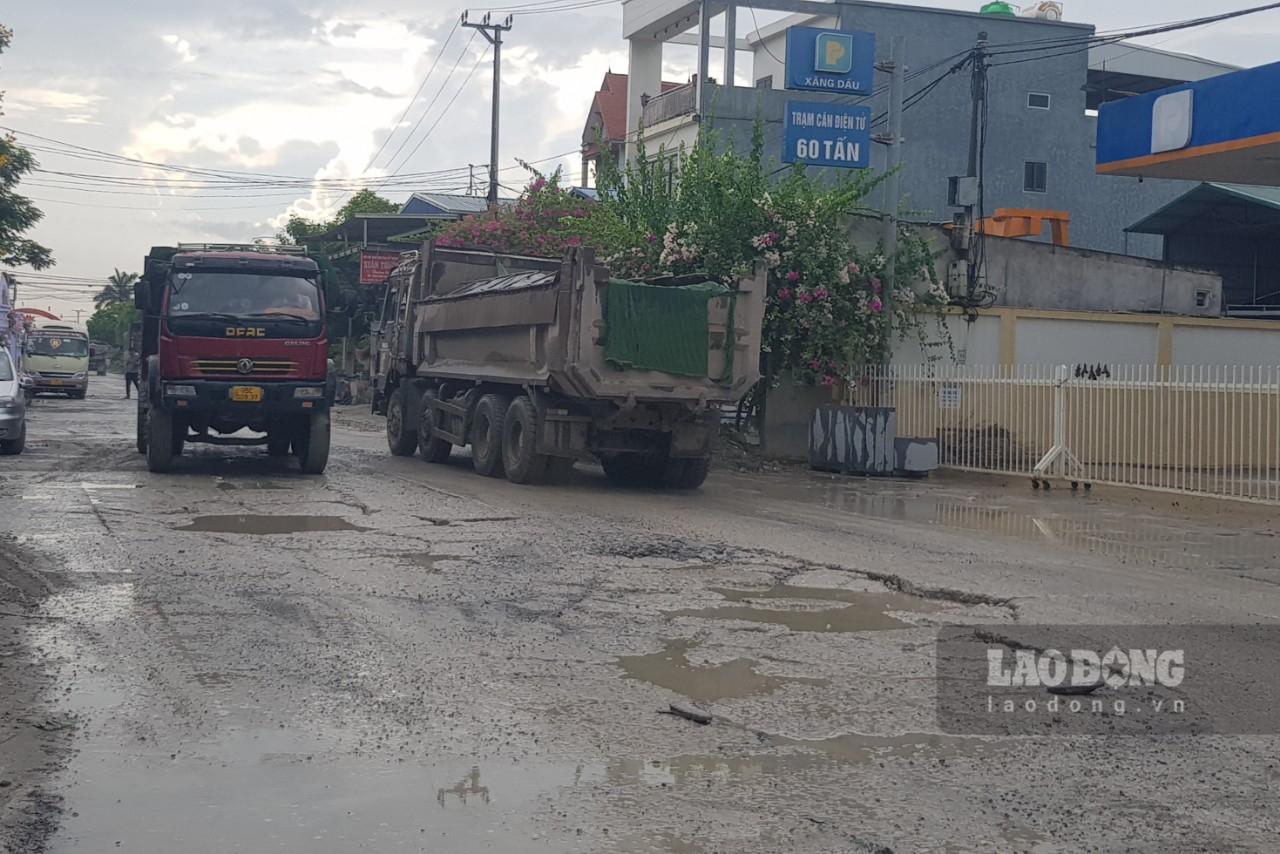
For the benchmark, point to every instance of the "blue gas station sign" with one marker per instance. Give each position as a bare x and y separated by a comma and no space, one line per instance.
818,133
821,60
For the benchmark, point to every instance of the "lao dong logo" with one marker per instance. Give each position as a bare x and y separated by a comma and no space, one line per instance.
1085,668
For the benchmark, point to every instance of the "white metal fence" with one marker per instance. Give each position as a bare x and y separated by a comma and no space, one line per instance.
1208,430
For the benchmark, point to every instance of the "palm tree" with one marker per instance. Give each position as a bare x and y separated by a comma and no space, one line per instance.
119,291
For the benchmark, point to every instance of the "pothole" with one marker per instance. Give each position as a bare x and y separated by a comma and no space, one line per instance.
704,683
863,611
232,524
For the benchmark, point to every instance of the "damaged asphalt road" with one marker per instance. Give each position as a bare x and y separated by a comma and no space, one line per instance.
404,657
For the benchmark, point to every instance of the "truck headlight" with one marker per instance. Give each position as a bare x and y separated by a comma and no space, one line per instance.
7,402
80,375
180,390
309,392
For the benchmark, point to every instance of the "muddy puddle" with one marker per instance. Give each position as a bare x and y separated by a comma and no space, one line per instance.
248,524
800,755
427,560
670,668
861,611
1091,525
233,485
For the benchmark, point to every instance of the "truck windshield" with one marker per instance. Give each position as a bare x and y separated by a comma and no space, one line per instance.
56,345
243,295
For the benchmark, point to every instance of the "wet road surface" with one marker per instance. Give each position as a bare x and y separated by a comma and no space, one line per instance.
397,656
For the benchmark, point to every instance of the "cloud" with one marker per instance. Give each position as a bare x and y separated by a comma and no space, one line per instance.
181,47
59,105
343,83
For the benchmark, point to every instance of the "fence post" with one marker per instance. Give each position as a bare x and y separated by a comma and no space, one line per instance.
1059,456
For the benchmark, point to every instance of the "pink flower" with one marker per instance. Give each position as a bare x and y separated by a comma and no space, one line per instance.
784,294
793,277
854,269
828,380
805,298
876,285
815,364
876,305
652,238
537,185
574,241
820,293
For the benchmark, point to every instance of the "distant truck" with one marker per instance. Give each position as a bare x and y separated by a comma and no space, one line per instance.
98,352
536,363
56,359
233,337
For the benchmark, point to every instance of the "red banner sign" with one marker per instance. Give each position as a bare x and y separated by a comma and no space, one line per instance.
375,267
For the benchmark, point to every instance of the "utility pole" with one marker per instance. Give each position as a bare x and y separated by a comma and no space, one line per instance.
897,69
492,32
977,130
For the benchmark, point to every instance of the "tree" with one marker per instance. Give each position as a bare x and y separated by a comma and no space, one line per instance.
111,323
300,230
17,213
120,290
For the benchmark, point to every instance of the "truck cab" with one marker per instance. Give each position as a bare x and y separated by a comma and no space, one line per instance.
233,339
56,358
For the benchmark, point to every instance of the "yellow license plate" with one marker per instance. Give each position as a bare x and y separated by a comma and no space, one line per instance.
246,393
55,382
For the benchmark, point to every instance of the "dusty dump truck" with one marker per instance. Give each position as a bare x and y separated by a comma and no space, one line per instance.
537,363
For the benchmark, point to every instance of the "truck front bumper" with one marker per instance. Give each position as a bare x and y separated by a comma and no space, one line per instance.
47,385
248,397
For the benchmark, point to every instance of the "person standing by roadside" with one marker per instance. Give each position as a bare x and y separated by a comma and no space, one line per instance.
131,372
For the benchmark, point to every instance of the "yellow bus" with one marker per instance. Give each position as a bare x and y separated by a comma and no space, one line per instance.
56,357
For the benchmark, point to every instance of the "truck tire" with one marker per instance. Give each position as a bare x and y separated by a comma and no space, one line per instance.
431,447
400,439
520,458
486,434
279,439
314,451
13,447
632,469
159,440
142,429
686,474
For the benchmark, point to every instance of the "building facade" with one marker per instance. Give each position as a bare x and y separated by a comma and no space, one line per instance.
1041,123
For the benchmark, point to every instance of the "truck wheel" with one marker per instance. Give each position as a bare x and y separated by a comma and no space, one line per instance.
522,462
159,440
314,454
142,429
432,448
278,441
686,474
486,434
400,438
633,469
13,447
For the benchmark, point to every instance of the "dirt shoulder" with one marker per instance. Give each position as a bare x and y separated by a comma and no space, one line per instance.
34,739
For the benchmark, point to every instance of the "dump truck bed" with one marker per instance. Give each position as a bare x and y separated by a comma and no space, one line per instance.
547,323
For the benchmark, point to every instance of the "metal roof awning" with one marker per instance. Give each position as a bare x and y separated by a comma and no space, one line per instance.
380,228
1216,209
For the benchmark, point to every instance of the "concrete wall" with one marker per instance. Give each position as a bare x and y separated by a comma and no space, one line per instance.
1030,274
937,130
1017,336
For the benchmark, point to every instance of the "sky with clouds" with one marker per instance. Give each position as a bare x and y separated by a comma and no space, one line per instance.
313,87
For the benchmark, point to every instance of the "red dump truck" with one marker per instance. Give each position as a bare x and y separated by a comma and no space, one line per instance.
233,338
538,362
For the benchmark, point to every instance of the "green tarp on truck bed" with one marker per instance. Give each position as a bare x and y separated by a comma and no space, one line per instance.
659,328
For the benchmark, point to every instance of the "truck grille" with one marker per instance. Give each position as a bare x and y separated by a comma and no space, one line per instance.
56,374
266,368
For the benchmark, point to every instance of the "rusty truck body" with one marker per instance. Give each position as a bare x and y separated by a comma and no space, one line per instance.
527,361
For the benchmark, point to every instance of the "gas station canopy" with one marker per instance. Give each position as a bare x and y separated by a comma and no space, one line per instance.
1224,129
